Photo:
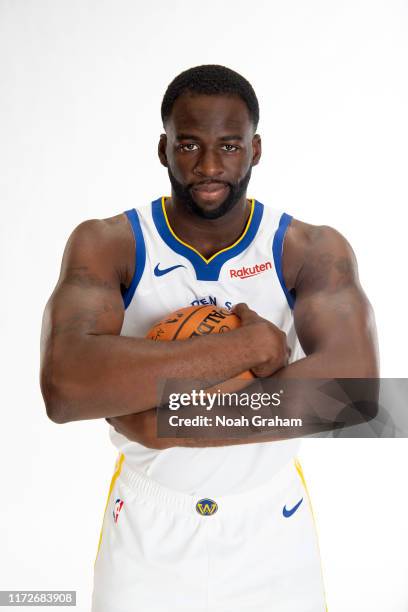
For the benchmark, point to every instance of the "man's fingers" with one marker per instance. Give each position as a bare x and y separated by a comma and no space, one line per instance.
241,307
242,310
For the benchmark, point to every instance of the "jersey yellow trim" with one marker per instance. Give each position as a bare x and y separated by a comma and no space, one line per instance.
302,478
118,469
218,252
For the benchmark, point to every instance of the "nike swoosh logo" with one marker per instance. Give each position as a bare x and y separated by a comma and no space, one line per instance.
289,513
158,272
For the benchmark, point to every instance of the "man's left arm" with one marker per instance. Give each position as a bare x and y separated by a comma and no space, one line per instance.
333,318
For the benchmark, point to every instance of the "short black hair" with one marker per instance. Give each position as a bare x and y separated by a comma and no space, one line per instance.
211,79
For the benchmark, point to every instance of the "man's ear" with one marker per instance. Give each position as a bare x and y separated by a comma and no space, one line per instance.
162,150
256,149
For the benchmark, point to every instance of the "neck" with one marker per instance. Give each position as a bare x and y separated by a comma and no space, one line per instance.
208,236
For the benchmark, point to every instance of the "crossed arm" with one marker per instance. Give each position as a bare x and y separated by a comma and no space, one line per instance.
334,322
89,371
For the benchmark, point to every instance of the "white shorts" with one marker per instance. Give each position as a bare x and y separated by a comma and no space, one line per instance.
165,551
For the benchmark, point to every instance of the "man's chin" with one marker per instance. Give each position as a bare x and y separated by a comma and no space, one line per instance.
209,208
210,211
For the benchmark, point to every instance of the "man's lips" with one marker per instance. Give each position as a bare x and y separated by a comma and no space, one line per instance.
210,187
210,191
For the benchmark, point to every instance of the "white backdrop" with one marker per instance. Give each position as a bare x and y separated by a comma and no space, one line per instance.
80,89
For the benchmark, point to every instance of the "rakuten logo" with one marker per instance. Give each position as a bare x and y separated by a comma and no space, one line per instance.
247,272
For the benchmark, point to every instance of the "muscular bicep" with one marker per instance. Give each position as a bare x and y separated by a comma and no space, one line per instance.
332,319
332,314
87,298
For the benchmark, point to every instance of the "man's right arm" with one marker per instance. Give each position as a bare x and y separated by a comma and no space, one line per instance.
89,371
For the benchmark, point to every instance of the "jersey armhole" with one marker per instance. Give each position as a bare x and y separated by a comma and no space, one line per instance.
277,250
140,256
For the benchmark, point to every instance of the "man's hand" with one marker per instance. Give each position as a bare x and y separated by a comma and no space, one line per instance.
141,428
271,336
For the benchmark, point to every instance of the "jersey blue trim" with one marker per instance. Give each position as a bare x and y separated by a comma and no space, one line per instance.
277,250
140,256
205,271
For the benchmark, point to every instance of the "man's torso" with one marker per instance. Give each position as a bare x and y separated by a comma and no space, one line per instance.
169,274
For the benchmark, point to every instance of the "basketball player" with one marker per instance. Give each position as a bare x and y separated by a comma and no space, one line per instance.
191,526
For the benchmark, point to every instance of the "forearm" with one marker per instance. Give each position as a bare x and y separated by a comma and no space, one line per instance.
107,375
357,361
354,398
302,399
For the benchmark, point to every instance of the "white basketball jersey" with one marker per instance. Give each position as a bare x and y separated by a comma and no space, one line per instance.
170,274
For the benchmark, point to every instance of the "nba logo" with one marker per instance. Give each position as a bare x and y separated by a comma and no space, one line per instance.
117,508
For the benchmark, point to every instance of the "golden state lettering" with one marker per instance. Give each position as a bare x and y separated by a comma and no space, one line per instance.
206,507
247,272
204,301
210,300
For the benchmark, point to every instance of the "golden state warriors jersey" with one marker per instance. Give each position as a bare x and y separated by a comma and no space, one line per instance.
170,274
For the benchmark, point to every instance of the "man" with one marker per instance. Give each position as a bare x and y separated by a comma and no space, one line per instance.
191,525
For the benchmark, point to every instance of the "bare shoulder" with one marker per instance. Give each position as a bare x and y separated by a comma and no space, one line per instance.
316,252
103,241
109,230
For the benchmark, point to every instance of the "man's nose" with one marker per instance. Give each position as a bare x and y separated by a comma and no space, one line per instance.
209,164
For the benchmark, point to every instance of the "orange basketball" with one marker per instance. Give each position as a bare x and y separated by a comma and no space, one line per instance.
194,321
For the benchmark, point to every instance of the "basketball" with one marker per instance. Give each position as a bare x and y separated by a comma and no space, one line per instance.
194,321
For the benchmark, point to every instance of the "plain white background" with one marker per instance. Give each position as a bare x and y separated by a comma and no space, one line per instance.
80,89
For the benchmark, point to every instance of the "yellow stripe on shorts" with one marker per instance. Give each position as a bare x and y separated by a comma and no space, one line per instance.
302,478
118,469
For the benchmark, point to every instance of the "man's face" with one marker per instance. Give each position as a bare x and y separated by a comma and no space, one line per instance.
209,149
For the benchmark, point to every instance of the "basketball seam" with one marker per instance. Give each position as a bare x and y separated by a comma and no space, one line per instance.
187,319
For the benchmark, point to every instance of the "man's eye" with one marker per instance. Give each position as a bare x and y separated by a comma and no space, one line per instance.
189,147
230,147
